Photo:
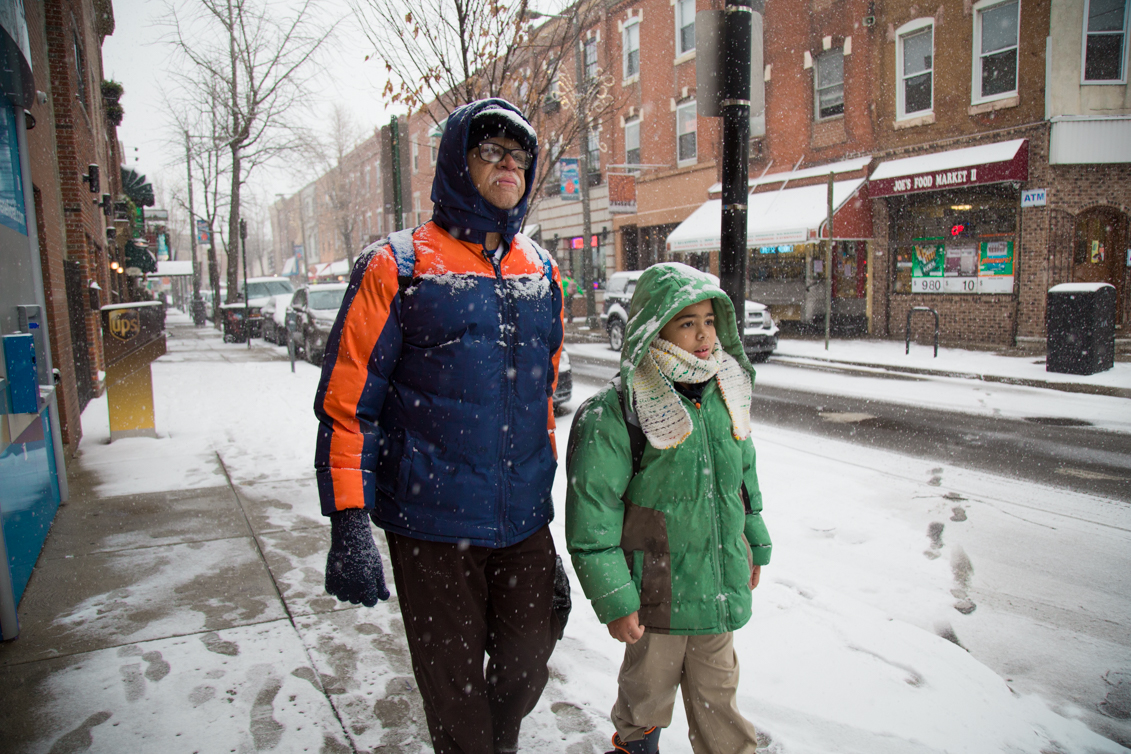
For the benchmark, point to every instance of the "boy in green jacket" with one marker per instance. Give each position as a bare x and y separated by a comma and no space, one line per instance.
669,544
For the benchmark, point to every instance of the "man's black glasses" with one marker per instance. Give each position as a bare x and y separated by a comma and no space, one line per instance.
493,153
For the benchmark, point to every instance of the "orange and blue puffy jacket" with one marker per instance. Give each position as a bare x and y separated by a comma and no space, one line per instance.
435,401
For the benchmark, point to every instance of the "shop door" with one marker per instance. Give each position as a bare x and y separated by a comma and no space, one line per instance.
1100,250
77,304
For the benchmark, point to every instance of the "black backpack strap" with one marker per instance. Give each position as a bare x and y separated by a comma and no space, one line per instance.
636,439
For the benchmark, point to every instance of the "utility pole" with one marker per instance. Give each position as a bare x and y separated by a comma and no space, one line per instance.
829,266
583,86
735,106
395,144
198,318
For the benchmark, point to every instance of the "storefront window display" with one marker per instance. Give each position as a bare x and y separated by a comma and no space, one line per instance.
955,242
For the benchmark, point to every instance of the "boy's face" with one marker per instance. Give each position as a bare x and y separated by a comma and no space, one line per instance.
693,329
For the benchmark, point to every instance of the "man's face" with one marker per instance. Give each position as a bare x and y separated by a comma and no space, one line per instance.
502,183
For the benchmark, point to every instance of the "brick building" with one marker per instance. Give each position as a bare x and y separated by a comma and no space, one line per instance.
71,134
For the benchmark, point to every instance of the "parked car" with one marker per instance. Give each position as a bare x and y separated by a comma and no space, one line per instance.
759,333
565,383
259,292
618,294
274,318
310,316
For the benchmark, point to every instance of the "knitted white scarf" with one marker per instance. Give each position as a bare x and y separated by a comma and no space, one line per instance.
663,416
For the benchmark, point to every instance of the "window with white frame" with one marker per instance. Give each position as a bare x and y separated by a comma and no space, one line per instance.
828,77
995,49
433,148
594,148
632,142
415,155
915,54
1105,41
684,26
591,58
417,212
631,49
686,125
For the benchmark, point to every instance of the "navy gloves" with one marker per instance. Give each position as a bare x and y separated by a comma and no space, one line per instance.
353,567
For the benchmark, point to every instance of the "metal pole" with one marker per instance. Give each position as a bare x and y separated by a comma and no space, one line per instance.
246,296
395,139
197,302
736,153
829,266
583,166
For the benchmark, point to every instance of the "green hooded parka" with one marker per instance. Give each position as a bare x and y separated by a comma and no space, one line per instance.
676,540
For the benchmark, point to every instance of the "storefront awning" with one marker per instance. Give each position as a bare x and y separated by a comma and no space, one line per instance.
777,217
957,168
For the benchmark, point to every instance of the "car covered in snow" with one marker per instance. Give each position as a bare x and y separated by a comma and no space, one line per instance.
759,333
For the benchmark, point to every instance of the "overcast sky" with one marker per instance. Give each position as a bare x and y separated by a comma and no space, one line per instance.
136,57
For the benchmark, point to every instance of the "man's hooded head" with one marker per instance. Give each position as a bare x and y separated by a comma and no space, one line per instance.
459,208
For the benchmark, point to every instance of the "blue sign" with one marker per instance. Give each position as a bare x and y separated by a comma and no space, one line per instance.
571,179
13,212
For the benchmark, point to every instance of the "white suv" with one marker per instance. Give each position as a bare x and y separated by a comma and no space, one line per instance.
759,332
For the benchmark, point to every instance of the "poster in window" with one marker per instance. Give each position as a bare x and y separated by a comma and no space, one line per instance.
995,267
927,268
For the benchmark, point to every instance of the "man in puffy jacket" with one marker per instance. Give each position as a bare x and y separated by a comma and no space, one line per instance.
436,421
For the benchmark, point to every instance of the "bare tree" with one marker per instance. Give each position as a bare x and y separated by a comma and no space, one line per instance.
441,54
198,123
261,59
339,183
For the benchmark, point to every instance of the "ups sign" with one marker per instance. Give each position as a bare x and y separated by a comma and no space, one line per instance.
124,324
128,328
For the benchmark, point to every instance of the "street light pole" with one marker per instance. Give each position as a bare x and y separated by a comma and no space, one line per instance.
246,293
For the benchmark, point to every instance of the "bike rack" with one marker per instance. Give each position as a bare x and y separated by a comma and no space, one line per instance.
907,330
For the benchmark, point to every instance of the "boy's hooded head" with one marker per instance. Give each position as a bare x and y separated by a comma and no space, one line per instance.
662,292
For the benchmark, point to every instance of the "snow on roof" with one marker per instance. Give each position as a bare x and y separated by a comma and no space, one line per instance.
985,154
845,166
785,216
174,268
1079,287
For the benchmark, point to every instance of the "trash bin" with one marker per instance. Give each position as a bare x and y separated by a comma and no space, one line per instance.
1080,321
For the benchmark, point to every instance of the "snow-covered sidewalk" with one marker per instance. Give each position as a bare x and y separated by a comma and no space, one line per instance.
209,629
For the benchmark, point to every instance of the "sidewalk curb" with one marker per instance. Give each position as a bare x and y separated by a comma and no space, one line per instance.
1065,387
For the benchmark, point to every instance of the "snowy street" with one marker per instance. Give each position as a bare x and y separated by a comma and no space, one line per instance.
912,605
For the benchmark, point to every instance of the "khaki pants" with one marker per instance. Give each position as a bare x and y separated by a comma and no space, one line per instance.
706,669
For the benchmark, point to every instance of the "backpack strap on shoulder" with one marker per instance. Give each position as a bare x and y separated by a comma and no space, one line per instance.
400,241
636,439
545,256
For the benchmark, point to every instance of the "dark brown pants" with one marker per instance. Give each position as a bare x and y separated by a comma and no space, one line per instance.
460,603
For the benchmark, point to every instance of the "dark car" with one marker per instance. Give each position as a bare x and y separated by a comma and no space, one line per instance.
274,319
310,316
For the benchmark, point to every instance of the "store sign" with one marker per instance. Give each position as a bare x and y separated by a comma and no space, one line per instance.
1034,198
968,267
1016,169
622,194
